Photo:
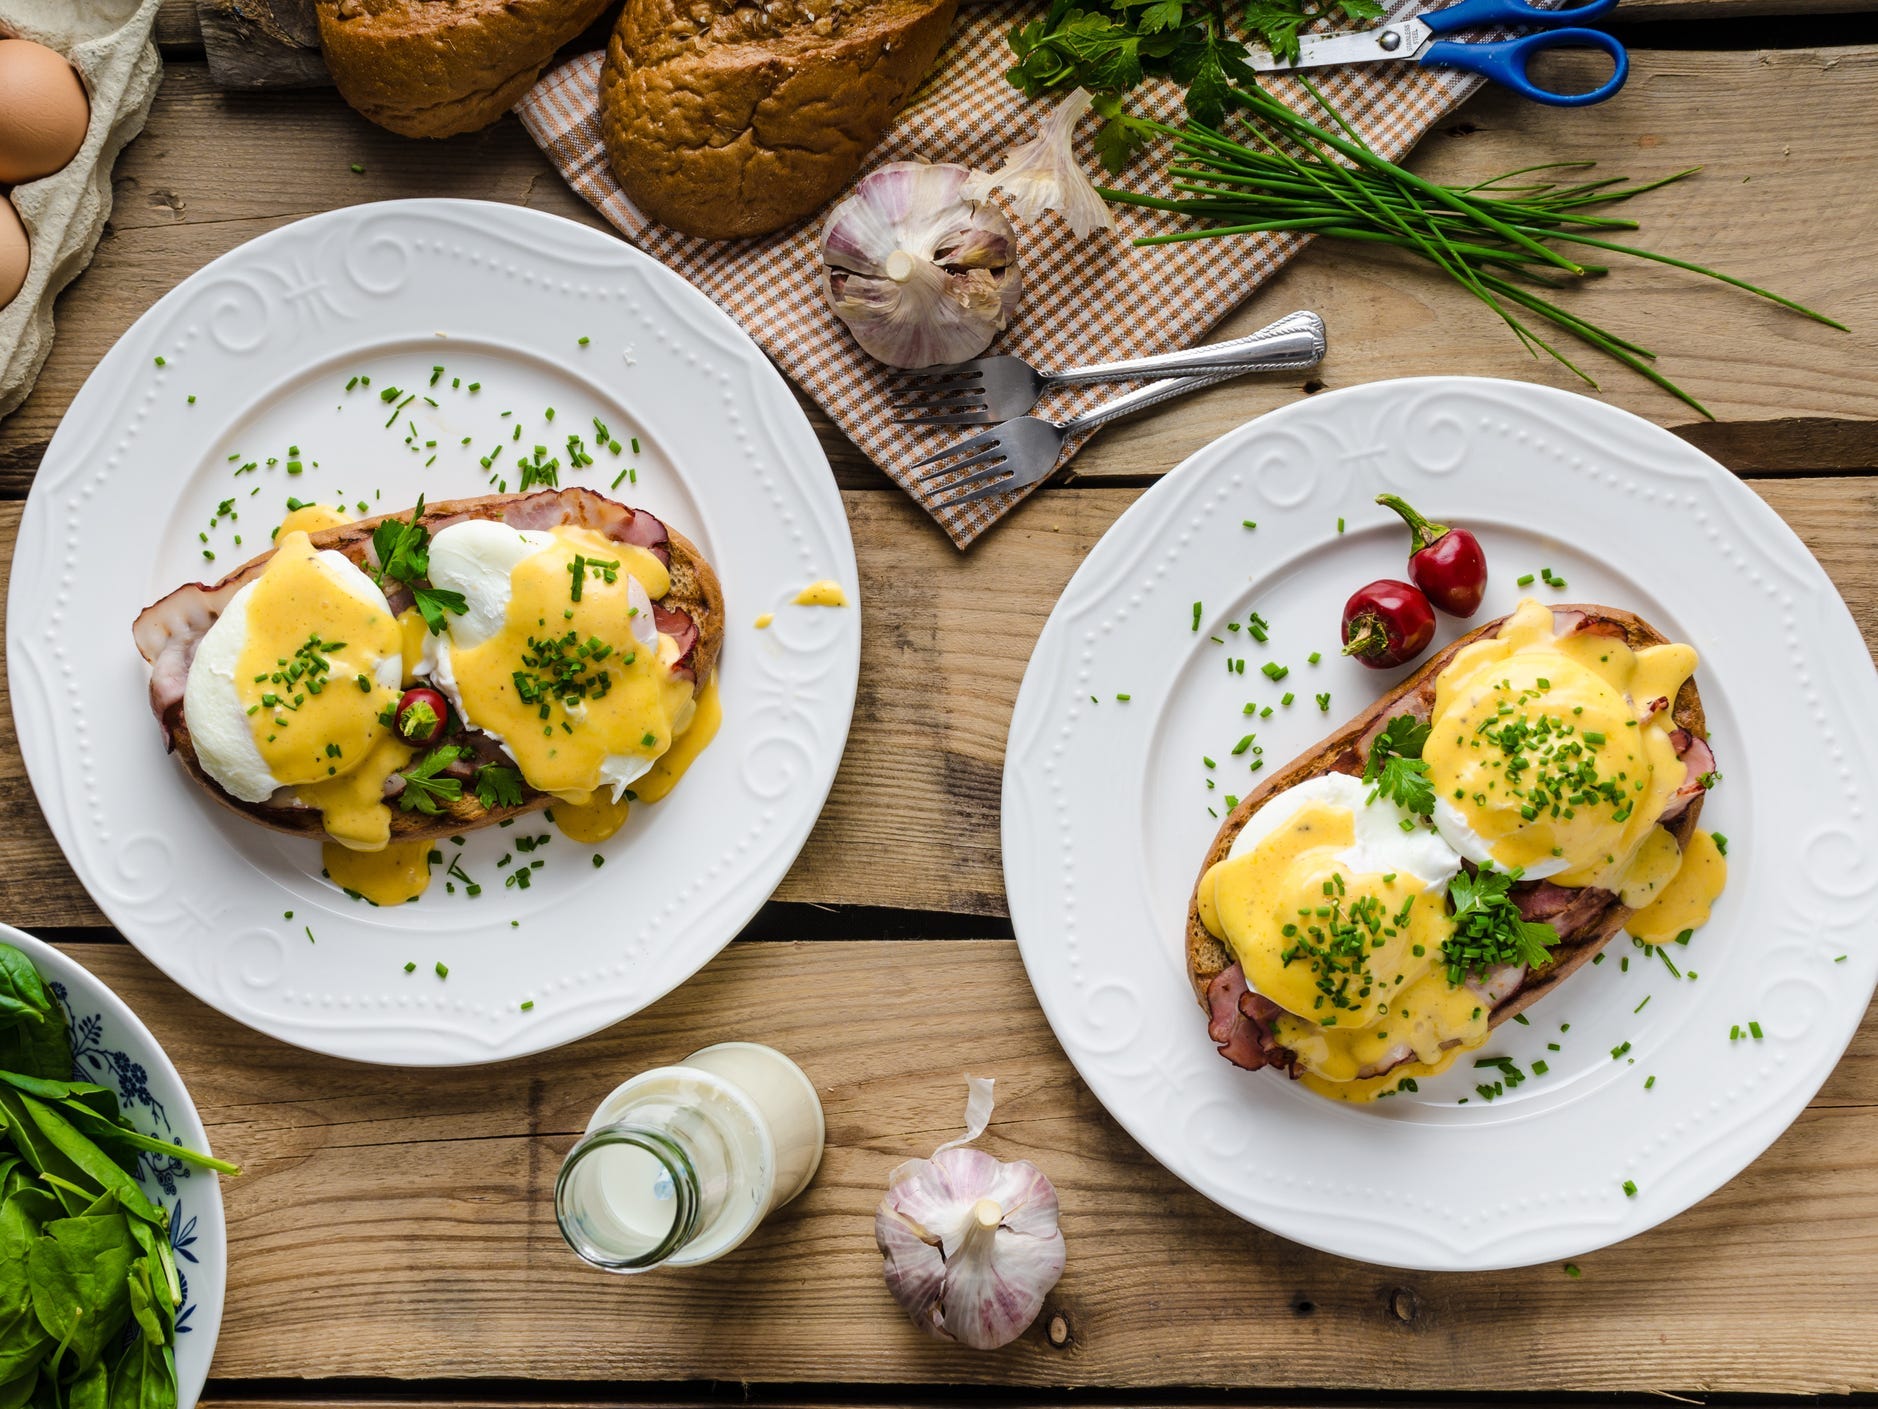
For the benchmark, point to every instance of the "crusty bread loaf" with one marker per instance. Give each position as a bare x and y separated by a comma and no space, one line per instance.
727,119
434,68
695,591
1347,750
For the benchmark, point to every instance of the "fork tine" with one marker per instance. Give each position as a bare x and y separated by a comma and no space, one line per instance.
996,469
976,442
998,483
947,396
992,452
930,376
980,417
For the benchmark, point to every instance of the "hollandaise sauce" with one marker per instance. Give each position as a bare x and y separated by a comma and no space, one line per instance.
1684,901
569,680
391,876
317,677
1554,752
1354,959
826,593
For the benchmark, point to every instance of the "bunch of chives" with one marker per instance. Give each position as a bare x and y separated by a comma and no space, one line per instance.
1496,239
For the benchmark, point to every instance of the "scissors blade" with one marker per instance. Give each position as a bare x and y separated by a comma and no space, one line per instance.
1402,40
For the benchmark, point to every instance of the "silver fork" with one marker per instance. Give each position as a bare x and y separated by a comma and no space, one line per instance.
993,389
1024,451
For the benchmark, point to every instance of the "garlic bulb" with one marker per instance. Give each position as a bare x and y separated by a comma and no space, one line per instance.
971,1243
919,276
1043,175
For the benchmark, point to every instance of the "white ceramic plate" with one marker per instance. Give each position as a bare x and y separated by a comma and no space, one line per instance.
111,1048
1106,819
265,339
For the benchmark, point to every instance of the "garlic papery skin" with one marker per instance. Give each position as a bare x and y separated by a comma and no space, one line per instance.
920,276
971,1243
1043,174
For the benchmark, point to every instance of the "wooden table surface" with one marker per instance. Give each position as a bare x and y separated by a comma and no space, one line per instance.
392,1236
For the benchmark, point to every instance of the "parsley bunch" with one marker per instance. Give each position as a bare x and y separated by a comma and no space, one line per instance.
1111,46
423,789
403,551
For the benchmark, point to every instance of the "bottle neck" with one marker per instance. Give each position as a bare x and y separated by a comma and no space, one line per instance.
629,1196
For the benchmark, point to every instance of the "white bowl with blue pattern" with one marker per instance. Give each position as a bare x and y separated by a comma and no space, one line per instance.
113,1049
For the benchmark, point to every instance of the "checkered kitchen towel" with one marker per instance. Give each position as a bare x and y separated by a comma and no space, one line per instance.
1089,301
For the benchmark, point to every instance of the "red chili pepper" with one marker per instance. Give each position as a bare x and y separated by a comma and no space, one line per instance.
421,716
1446,563
1387,623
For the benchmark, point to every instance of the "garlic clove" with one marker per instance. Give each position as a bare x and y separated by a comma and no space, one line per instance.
970,1243
1043,174
920,276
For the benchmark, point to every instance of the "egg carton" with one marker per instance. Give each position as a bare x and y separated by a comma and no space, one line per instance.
108,42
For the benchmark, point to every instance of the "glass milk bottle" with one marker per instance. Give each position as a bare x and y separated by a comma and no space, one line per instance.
680,1164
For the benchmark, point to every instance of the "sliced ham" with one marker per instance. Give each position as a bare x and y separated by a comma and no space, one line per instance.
1240,1021
1698,761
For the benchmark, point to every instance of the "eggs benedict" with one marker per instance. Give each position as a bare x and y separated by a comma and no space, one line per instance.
1372,911
381,683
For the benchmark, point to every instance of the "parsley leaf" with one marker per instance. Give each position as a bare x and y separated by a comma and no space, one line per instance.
497,786
403,550
1489,931
423,789
1395,768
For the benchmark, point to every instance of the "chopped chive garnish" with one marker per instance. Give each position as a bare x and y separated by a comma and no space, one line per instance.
1639,1008
1754,1031
1524,580
1630,1189
443,969
1196,617
1721,842
1314,657
411,968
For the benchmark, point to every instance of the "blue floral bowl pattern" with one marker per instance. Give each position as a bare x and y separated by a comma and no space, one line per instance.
112,1048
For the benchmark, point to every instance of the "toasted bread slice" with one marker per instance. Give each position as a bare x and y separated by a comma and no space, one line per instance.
1585,926
168,632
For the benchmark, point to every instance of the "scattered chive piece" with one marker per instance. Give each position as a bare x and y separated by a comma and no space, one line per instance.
1124,698
443,969
584,341
1247,523
1754,1031
1521,1019
1323,702
635,441
1273,671
1339,524
1524,580
1196,617
1619,1050
1241,746
358,168
410,968
1639,1007
1571,1270
1721,842
618,478
1630,1189
1207,761
309,935
1648,1082
192,402
1539,1068
1840,960
1287,698
1314,657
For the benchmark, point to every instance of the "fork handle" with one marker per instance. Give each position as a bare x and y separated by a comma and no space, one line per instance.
1294,341
1153,394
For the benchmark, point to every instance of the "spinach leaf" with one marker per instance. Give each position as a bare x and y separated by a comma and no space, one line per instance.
34,1037
79,1271
144,1377
89,1390
23,993
15,1393
100,1171
41,1155
23,1341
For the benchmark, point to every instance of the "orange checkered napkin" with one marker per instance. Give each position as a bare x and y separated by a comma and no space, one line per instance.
1090,301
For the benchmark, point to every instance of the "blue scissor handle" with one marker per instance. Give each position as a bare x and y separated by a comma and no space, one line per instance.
1505,62
1483,14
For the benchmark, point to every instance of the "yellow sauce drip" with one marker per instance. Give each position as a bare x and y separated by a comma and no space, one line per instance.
400,872
311,518
672,765
321,734
826,593
1395,996
352,804
641,705
1652,868
1583,700
762,622
1684,903
590,822
413,631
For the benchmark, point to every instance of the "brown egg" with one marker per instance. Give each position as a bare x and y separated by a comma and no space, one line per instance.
43,111
15,252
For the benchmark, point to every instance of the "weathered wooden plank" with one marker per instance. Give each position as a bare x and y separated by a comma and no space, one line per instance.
946,641
215,169
403,1228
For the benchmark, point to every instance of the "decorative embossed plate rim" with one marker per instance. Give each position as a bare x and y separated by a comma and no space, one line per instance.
1104,820
112,1047
137,465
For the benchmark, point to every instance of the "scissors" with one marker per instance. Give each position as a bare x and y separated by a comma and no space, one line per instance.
1504,62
